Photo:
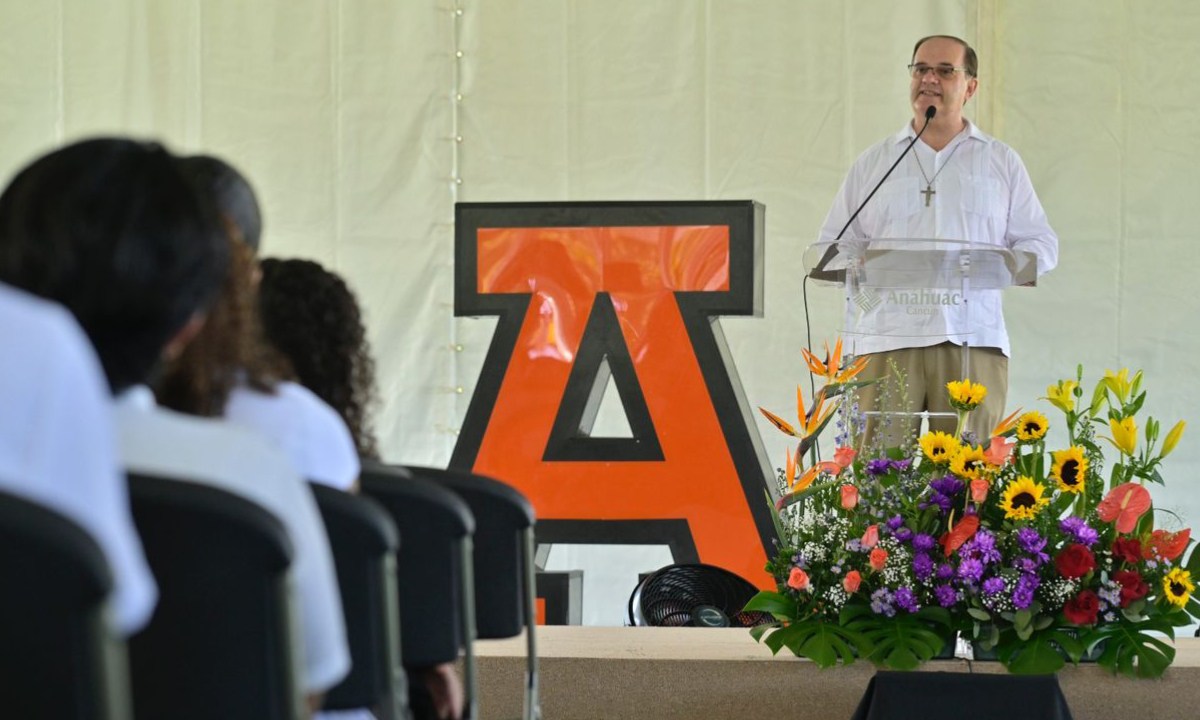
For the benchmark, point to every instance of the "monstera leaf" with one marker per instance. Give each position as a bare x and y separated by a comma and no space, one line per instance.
902,642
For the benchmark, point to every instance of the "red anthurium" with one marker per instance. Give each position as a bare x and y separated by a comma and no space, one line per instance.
1123,505
1167,545
959,534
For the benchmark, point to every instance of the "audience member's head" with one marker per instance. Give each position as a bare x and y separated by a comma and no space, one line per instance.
311,317
231,193
114,230
229,349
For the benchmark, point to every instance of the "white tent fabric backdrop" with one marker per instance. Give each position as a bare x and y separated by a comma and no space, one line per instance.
361,123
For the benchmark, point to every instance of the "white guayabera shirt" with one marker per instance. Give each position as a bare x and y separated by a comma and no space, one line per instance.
977,190
58,445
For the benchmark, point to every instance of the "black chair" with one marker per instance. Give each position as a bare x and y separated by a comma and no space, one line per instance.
505,577
364,541
59,655
222,642
437,609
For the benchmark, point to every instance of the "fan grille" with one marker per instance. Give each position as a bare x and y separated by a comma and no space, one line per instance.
669,596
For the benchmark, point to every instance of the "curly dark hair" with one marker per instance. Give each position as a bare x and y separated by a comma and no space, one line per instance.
311,317
228,350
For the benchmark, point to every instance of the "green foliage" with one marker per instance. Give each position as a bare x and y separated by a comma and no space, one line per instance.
1130,649
904,642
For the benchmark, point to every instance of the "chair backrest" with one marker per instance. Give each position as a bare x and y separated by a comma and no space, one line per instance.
223,639
503,517
364,541
59,655
505,577
432,575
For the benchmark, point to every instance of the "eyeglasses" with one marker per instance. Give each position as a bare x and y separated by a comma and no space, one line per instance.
945,72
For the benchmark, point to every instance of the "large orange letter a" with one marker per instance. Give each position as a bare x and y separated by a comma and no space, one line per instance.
586,292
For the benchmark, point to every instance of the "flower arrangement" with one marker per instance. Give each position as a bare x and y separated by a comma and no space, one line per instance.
1027,551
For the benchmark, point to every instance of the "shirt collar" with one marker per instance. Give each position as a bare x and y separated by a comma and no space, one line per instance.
138,397
970,131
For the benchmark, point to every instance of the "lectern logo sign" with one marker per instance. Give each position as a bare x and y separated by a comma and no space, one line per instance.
627,293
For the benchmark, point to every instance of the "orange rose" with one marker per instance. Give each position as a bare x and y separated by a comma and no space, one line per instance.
979,490
878,558
851,582
798,580
871,537
849,497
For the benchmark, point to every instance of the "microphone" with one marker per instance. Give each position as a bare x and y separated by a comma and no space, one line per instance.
833,248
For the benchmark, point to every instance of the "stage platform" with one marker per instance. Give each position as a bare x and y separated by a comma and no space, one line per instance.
594,673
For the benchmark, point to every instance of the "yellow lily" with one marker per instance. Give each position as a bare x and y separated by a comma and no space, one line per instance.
1124,434
1172,438
1119,383
1062,395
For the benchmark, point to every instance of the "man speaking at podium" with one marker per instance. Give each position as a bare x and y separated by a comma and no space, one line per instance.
951,181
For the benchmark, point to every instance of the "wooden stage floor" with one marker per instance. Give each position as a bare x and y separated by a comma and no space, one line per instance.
610,672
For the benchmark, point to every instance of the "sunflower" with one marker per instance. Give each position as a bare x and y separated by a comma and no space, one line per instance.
1069,469
1178,587
939,447
1032,426
968,462
1022,499
965,395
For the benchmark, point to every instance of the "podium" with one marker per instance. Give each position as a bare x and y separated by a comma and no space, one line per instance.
903,292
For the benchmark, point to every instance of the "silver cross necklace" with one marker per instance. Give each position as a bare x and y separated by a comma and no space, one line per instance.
929,192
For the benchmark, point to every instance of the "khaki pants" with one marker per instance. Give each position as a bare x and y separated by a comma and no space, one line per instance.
925,372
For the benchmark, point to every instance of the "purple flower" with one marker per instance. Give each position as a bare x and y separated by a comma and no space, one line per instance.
981,547
946,595
895,522
993,585
1029,540
879,467
906,600
945,571
947,485
922,566
923,542
1079,531
1025,565
881,602
970,570
944,489
904,534
1023,594
901,465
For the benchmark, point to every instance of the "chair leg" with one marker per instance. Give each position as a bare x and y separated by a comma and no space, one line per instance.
533,710
470,672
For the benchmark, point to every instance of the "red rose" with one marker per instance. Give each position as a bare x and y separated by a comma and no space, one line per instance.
1082,609
1075,561
1133,587
1129,550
